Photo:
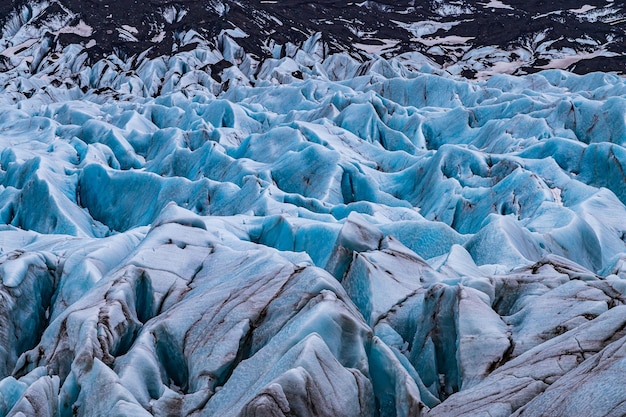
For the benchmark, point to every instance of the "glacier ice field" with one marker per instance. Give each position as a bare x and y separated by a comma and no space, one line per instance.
309,236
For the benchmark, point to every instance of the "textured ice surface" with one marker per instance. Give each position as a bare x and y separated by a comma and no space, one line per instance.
310,237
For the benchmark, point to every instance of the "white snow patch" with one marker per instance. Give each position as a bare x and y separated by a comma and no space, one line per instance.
583,9
501,67
539,16
496,4
608,15
586,41
171,14
82,29
426,27
11,51
130,29
446,40
235,33
406,11
158,38
377,49
126,35
564,62
617,21
220,7
444,9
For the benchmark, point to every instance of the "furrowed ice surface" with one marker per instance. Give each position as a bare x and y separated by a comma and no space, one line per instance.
310,237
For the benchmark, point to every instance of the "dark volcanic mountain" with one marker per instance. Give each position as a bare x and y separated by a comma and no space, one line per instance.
467,38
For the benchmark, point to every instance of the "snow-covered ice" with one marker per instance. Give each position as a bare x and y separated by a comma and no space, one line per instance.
207,234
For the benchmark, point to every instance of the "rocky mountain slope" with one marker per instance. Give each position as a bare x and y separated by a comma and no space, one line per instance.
473,39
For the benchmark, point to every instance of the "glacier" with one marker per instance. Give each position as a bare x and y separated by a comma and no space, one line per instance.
207,234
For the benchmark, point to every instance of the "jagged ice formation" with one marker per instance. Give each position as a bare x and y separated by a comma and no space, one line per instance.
205,234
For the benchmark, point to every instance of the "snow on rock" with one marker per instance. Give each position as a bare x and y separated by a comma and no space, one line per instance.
204,234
